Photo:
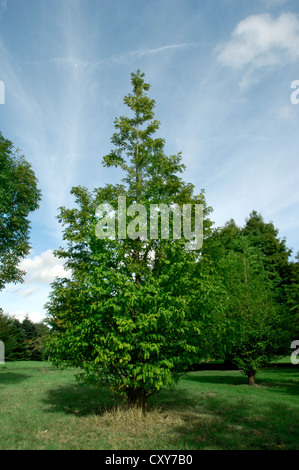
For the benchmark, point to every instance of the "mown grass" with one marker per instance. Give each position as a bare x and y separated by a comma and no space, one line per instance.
45,408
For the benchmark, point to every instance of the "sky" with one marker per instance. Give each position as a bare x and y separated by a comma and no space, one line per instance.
221,73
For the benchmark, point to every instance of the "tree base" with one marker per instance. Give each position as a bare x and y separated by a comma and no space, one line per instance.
251,380
137,399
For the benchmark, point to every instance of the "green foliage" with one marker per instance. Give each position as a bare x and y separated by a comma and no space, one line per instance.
133,314
137,312
18,197
256,325
291,288
264,236
23,341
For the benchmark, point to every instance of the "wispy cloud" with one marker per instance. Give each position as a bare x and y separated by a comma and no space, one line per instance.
79,64
274,3
29,292
46,124
3,5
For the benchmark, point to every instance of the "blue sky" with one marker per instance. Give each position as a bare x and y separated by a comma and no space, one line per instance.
220,72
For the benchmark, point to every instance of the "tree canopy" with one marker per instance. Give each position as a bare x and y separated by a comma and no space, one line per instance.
132,315
19,195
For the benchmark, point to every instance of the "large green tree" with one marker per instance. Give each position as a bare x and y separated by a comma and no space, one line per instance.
132,314
19,196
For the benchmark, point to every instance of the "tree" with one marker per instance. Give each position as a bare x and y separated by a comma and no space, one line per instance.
292,295
131,316
38,344
19,196
31,339
264,236
22,341
13,337
254,324
276,259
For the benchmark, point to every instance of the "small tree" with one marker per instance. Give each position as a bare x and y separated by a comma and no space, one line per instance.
132,314
254,324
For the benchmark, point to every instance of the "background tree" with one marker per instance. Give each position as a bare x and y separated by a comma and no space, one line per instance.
292,295
264,236
261,239
23,341
276,259
18,197
31,339
13,337
254,325
256,322
132,315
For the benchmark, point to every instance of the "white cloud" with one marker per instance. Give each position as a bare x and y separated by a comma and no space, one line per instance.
261,41
43,269
20,315
28,292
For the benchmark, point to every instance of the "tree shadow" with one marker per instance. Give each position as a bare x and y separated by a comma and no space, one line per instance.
226,377
80,400
220,425
8,378
276,380
204,422
215,422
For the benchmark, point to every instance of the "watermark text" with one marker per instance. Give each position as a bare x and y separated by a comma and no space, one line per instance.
294,358
2,92
2,349
295,94
137,228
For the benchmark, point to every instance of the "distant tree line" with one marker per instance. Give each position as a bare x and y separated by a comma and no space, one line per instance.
23,341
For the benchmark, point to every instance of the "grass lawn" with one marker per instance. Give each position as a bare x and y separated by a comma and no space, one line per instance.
45,408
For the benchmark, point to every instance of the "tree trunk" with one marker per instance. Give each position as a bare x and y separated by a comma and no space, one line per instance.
251,379
137,399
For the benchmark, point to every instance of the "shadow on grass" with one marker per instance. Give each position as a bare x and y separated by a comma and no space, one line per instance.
8,378
225,425
286,379
80,400
228,422
201,420
229,379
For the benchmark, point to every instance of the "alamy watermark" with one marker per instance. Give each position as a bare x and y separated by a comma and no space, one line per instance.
138,227
295,94
294,359
2,355
2,92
